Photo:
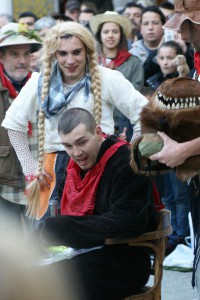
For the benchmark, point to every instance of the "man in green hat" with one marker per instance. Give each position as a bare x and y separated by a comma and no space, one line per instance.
16,45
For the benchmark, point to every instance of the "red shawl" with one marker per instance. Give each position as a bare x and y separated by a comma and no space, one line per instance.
121,57
197,62
79,194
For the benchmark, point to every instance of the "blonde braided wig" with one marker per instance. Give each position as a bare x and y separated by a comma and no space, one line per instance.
51,44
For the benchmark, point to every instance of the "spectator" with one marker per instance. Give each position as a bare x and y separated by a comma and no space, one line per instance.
72,9
43,25
85,15
71,77
134,12
166,55
152,21
27,19
15,50
111,31
187,48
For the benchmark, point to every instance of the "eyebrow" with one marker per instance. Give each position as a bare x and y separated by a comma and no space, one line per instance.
76,141
78,49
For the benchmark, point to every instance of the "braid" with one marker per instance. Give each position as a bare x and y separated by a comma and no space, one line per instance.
96,87
33,189
45,89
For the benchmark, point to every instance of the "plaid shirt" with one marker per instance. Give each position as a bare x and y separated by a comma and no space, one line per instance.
16,195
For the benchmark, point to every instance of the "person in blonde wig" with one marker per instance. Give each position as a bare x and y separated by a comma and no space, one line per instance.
70,77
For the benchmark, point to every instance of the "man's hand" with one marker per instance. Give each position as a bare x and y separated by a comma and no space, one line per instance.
172,154
44,180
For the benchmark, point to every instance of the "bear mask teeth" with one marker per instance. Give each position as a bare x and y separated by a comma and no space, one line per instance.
176,103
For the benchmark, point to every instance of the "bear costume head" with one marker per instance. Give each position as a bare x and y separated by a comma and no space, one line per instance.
174,109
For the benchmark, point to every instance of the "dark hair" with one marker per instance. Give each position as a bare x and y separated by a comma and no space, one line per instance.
173,45
167,5
61,17
156,10
122,42
90,5
73,117
88,10
27,14
132,4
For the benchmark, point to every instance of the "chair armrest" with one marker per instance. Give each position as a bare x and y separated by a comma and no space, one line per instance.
153,235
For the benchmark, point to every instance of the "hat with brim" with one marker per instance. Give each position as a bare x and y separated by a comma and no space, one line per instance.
13,34
111,16
184,10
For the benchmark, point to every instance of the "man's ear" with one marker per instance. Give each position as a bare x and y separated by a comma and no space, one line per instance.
98,131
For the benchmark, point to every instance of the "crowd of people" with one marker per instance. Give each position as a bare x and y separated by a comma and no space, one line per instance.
73,85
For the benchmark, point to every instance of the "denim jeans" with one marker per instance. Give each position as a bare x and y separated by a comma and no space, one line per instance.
176,199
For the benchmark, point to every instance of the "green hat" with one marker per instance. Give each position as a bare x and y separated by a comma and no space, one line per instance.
15,34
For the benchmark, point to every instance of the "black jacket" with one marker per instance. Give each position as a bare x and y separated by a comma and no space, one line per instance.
155,81
123,207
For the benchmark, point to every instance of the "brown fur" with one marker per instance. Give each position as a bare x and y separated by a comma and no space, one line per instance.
182,66
180,124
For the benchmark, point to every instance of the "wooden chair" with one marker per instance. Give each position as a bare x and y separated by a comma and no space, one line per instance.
156,241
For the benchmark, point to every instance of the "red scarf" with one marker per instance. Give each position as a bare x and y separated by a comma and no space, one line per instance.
197,62
12,91
121,57
79,195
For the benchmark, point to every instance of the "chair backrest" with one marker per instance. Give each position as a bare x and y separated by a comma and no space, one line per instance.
163,230
156,241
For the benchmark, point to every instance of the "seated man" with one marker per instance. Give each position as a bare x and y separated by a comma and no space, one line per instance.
102,198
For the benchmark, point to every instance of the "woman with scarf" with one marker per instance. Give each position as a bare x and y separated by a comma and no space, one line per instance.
111,31
70,78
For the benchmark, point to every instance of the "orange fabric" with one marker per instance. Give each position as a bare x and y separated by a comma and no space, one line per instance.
49,166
